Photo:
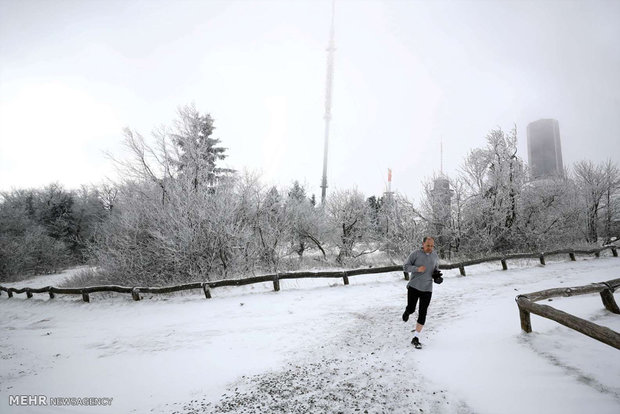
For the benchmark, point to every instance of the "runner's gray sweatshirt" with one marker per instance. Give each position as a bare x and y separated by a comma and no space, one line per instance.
421,281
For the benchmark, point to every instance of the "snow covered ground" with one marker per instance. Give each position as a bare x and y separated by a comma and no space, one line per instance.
316,346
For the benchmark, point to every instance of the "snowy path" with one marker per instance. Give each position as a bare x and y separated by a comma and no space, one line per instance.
367,367
317,346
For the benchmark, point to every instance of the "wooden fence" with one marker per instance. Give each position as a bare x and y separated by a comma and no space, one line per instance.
540,256
527,305
275,278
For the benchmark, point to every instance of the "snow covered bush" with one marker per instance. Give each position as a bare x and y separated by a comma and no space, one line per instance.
349,218
44,230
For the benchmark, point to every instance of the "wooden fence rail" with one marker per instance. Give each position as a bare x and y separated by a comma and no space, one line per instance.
275,278
527,305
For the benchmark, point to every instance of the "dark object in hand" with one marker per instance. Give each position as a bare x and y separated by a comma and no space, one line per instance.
437,276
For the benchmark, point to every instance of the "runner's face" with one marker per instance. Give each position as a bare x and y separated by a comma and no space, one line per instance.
428,245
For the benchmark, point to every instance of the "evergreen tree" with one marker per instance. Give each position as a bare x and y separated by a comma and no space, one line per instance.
198,151
297,192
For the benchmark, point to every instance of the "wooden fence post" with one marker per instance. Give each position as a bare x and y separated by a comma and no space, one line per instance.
28,293
345,278
135,294
406,275
600,333
504,265
462,270
597,253
206,290
542,259
614,251
572,256
85,296
9,293
609,302
52,296
276,283
526,323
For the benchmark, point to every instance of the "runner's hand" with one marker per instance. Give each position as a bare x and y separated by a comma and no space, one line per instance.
421,269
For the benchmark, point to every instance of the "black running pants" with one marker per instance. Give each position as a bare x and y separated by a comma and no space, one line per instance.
412,299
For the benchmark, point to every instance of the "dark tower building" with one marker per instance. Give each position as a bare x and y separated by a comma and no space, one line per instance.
544,152
441,196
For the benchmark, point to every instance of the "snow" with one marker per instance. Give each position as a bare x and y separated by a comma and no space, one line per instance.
317,346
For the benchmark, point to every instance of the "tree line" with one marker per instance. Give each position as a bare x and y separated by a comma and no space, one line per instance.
495,207
45,230
177,216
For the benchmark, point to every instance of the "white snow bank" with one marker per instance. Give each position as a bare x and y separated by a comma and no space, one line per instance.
149,354
484,356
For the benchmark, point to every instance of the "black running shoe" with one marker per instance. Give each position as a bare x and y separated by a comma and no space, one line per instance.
405,316
416,342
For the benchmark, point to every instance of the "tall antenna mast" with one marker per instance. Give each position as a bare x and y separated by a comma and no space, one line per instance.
441,155
328,101
389,181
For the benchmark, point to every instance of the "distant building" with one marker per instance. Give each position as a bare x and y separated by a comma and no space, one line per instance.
441,197
544,151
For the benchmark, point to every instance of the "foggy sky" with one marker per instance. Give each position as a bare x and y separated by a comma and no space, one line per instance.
74,73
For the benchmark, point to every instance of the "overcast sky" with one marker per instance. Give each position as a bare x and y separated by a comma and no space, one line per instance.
73,74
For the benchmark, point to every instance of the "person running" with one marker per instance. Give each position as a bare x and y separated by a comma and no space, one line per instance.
423,266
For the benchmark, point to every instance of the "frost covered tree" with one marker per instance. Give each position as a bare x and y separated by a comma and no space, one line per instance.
188,238
308,227
107,194
89,212
591,181
349,218
185,155
404,226
479,210
611,200
598,185
176,216
548,211
25,245
197,152
272,225
495,208
494,176
42,230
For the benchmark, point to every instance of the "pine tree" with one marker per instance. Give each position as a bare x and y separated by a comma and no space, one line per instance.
198,152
